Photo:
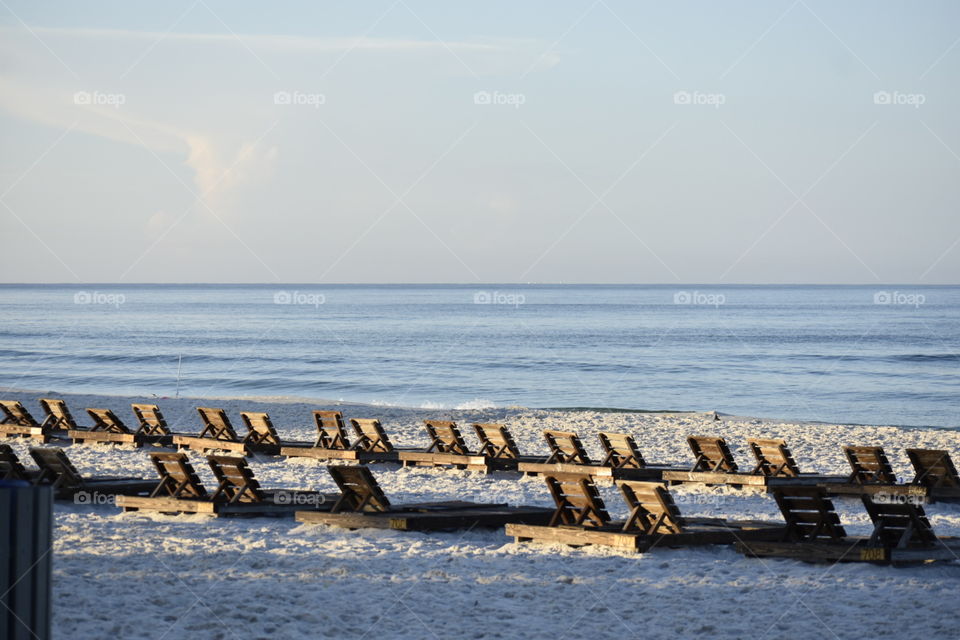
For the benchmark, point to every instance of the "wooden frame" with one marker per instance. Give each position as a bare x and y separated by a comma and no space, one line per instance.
108,427
17,421
151,420
217,434
57,470
901,532
872,474
622,460
57,415
12,469
714,464
364,505
581,518
333,443
936,472
238,492
447,448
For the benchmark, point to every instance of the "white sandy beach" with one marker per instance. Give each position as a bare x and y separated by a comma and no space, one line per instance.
144,576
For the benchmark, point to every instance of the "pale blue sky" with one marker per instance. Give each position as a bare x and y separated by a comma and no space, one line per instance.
594,168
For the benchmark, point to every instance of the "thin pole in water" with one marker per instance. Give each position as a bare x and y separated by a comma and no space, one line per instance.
179,361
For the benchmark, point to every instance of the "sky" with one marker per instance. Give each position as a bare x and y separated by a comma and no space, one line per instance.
405,141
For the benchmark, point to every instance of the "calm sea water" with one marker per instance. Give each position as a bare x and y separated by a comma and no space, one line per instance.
874,355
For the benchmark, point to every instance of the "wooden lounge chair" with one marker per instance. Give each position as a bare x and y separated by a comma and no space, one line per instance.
814,533
714,465
12,469
872,473
17,421
497,442
262,436
107,427
238,492
581,518
362,504
447,448
57,470
58,416
152,422
332,441
568,455
935,471
217,433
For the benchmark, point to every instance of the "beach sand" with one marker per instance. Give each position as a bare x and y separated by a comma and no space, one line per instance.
149,576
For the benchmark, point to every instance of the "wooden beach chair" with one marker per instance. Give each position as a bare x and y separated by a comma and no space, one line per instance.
333,443
901,532
568,455
872,473
620,451
57,470
497,442
217,433
262,435
11,467
238,492
58,416
447,448
17,421
935,471
714,465
363,504
151,421
581,518
331,432
108,427
774,459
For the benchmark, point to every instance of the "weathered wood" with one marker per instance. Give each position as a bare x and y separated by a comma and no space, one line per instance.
851,550
57,415
475,516
57,470
869,465
711,454
17,422
319,453
934,469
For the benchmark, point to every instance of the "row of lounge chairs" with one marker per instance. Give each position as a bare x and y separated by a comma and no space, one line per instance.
936,476
811,529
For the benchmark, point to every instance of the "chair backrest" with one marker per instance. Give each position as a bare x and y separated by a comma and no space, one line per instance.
565,447
496,441
56,468
216,425
235,480
711,454
652,509
150,419
898,524
773,458
934,468
15,413
445,437
359,490
178,478
370,436
577,501
869,465
107,420
260,429
809,514
10,467
57,414
620,451
331,432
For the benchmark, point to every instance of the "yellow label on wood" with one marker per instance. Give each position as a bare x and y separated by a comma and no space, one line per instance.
868,555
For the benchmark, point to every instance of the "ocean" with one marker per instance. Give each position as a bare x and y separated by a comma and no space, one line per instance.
882,355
